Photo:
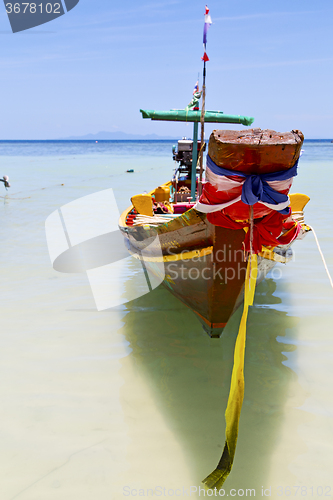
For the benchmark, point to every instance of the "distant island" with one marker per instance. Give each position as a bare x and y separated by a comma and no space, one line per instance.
117,136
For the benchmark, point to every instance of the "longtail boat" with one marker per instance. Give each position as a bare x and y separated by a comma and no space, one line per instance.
204,241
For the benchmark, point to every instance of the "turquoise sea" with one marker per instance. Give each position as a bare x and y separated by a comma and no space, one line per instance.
130,401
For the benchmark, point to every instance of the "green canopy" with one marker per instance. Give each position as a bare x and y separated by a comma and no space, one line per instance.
183,115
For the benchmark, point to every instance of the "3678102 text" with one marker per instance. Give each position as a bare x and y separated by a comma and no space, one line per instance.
33,8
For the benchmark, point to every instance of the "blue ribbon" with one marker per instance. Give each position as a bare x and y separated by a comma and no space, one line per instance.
255,187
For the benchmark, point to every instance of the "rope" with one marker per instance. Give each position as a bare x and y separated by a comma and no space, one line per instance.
322,256
10,198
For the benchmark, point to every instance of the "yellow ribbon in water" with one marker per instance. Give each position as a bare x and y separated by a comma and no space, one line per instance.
236,394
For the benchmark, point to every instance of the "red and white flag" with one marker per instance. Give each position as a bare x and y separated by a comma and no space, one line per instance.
208,22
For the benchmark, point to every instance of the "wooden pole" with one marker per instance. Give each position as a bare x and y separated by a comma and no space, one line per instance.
194,161
202,122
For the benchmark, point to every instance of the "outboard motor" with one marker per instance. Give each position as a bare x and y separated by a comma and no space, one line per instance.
184,156
182,177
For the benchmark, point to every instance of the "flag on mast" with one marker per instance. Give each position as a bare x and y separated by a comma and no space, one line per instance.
195,98
208,22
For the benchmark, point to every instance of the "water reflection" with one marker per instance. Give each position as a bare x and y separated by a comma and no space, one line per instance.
188,376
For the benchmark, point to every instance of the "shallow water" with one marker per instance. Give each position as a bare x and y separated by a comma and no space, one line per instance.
98,405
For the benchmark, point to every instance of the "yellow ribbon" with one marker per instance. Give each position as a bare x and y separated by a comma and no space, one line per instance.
236,394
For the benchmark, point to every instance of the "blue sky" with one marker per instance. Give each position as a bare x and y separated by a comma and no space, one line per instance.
95,67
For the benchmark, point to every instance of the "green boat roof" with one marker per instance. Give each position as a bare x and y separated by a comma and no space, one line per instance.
183,115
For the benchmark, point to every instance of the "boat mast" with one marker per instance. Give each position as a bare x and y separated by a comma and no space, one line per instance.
194,161
205,58
202,123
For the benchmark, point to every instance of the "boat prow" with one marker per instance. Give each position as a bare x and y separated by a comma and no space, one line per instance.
204,264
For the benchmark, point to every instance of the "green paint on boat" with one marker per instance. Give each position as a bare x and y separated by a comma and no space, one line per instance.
183,115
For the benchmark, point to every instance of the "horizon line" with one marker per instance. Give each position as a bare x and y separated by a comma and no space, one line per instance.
127,140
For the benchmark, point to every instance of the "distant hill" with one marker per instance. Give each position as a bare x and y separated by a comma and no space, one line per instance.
117,136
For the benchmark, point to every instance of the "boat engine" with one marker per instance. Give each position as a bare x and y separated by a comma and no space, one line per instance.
182,177
184,155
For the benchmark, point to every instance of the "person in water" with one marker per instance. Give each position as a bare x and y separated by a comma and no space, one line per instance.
5,181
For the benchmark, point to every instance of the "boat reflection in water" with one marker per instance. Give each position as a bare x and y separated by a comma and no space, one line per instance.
188,378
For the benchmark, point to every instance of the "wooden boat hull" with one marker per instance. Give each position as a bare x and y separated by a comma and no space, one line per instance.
204,264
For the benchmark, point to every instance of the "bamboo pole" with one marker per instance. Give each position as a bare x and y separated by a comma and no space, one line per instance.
202,123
